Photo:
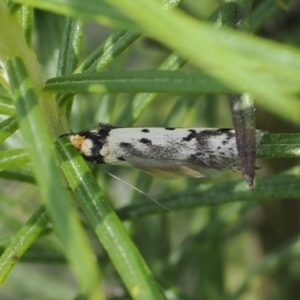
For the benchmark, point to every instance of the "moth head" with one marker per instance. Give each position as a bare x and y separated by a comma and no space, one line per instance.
90,144
77,141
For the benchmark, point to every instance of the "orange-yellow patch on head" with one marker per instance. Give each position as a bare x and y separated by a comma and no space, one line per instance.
77,141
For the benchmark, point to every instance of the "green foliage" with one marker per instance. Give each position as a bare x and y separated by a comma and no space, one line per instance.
60,214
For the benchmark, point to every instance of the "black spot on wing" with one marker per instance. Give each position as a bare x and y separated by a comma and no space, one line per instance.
145,141
223,130
203,138
145,130
192,135
204,142
170,128
121,158
198,156
227,132
193,157
126,145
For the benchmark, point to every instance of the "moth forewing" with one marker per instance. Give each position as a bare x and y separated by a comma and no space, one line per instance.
167,152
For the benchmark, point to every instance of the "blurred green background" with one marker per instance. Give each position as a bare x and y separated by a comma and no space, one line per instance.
240,250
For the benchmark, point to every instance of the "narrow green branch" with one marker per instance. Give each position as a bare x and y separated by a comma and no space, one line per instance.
22,241
110,231
279,145
266,188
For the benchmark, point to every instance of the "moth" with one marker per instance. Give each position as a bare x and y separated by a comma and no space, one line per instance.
166,152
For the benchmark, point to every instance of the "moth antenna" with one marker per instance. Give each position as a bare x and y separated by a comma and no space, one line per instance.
65,134
138,190
72,133
105,126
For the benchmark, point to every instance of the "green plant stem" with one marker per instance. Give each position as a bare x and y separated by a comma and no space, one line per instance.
180,32
70,46
14,158
279,145
18,175
279,187
141,101
7,107
8,127
102,56
26,17
22,241
117,42
110,231
36,113
37,118
68,57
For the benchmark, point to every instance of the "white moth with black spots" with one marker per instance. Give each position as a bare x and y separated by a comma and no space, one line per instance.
162,151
